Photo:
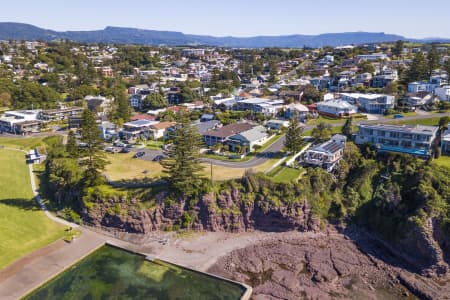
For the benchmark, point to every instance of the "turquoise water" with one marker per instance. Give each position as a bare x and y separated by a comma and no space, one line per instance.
112,273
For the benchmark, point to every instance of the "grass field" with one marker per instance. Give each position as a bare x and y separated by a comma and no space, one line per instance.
28,142
23,226
125,167
285,174
442,161
428,121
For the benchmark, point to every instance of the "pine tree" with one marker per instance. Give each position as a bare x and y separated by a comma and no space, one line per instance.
419,68
433,59
347,129
182,162
398,48
447,66
71,146
123,110
92,155
294,137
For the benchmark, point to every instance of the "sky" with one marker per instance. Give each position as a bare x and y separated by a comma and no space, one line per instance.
410,18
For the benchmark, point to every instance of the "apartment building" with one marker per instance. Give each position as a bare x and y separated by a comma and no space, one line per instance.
416,140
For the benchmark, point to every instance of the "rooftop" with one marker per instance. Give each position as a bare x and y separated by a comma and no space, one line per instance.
418,129
230,130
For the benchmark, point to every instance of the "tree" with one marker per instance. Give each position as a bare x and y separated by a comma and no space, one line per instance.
123,110
322,132
92,155
433,59
366,67
182,162
294,137
71,146
347,129
398,48
443,123
155,101
419,68
447,66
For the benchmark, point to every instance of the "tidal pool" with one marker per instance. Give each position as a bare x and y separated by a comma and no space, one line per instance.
113,273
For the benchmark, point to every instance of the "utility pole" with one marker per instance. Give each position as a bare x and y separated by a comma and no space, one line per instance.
211,167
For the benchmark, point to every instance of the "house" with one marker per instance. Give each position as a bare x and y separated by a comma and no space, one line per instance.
203,127
60,114
371,103
295,95
445,142
419,99
416,140
326,155
277,124
256,135
221,135
136,100
137,129
99,104
336,108
296,109
108,130
417,87
160,130
372,57
260,105
21,121
443,93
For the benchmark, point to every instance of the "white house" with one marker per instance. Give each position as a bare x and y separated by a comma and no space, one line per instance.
336,108
443,93
326,155
416,87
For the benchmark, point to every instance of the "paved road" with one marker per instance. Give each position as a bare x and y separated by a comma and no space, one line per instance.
259,159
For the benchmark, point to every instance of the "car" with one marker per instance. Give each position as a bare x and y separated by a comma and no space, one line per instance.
158,158
139,154
398,116
110,149
124,150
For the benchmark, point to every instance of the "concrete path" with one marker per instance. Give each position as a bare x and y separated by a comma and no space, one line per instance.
35,269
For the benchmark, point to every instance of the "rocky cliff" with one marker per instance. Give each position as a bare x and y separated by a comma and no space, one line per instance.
227,211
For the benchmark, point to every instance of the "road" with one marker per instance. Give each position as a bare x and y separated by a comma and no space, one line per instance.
259,159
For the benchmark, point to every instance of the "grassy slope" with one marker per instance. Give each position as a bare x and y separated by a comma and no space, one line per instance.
23,227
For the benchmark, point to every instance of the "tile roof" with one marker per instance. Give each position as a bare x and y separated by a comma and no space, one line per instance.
229,130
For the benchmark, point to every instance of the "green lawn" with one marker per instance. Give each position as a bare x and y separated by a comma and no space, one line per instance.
28,142
285,174
428,121
442,161
23,226
155,145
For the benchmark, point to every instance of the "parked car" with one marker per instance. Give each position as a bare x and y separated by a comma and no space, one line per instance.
139,154
125,150
158,158
398,116
110,149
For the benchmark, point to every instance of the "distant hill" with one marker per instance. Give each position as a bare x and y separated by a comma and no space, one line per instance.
121,35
